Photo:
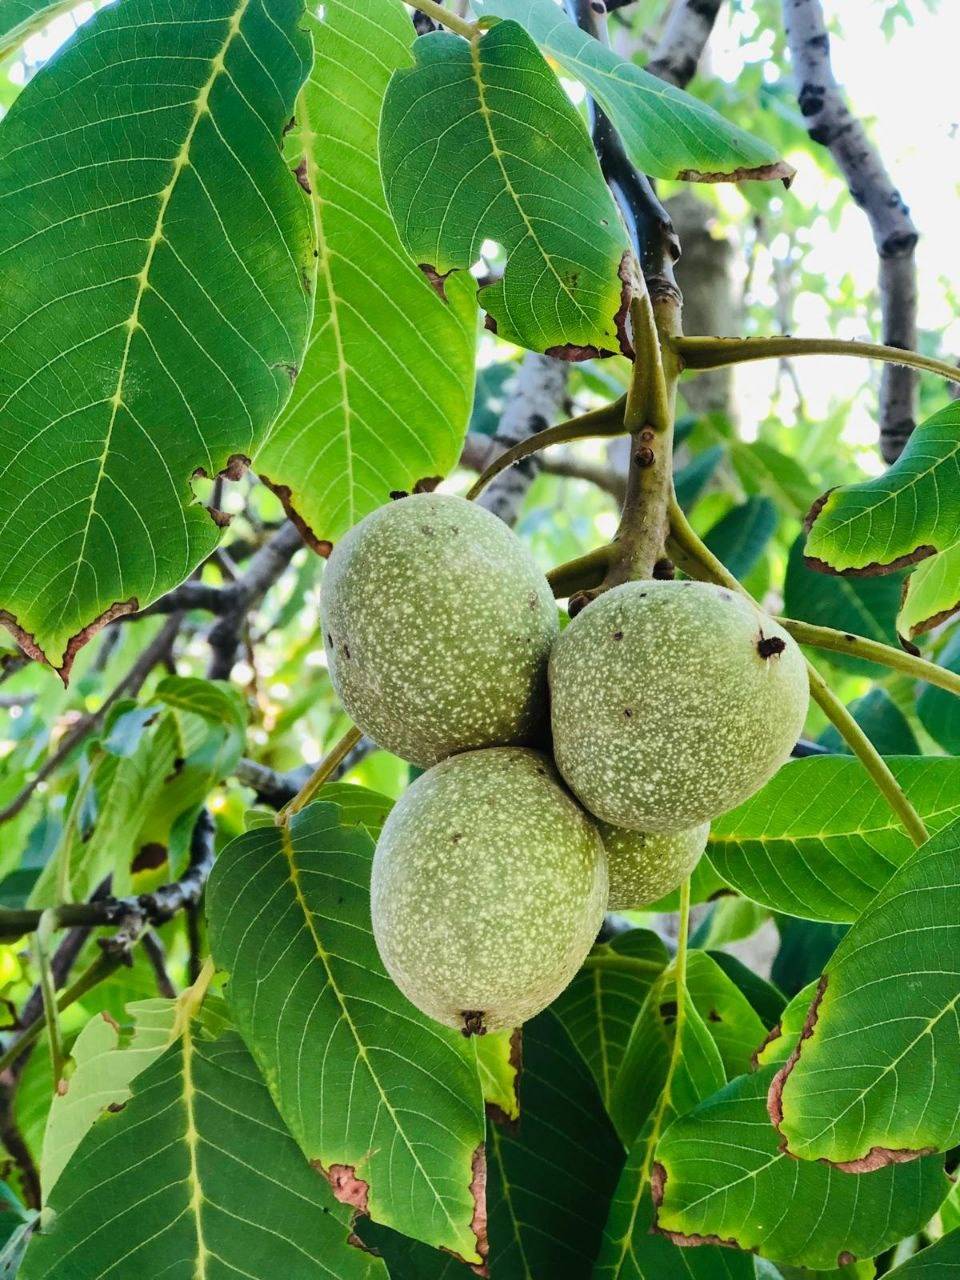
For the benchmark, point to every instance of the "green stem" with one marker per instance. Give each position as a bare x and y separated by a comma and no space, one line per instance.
883,655
101,968
45,928
581,574
717,353
692,551
641,536
443,16
868,756
324,769
606,421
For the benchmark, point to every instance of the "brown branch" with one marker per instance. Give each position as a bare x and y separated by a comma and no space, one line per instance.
831,123
535,401
156,652
476,452
265,567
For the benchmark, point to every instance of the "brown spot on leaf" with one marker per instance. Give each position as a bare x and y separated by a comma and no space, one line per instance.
874,569
346,1186
845,1258
773,1034
222,519
658,1180
300,173
320,545
573,352
118,610
150,857
236,467
436,279
879,1158
816,509
109,1019
775,1092
779,171
925,624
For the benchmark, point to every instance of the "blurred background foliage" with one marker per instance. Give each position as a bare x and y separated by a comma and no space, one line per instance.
754,449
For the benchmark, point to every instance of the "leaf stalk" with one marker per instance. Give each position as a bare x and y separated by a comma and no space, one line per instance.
719,353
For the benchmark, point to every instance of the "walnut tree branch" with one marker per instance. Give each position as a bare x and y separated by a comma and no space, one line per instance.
831,123
684,38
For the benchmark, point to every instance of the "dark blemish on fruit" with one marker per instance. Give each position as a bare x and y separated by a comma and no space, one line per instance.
346,651
329,640
473,1024
627,712
618,635
427,530
769,646
456,837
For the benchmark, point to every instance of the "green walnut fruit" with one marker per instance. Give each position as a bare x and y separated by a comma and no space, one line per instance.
673,702
438,626
643,866
488,888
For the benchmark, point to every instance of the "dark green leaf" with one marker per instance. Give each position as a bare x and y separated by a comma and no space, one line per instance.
551,1178
910,512
874,1078
864,606
766,998
940,1261
722,1176
819,840
478,141
386,1101
384,391
158,281
691,480
601,1004
666,132
939,710
740,537
882,721
195,1176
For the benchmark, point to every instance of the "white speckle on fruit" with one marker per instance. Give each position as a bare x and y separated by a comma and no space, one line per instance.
438,625
488,888
713,718
645,865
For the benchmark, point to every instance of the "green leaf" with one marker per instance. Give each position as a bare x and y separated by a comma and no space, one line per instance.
552,1176
873,1080
722,1176
158,281
666,132
939,710
728,1015
882,721
499,1063
864,606
381,1098
910,512
933,1263
195,1176
682,1068
20,19
691,480
658,1077
931,594
478,141
763,469
599,1007
740,537
766,998
358,805
144,786
101,1078
805,947
386,384
819,840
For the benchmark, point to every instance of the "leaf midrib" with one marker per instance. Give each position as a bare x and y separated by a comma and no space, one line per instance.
180,161
486,115
286,843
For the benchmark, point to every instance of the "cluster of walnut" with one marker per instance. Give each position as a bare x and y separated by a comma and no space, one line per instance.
567,771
